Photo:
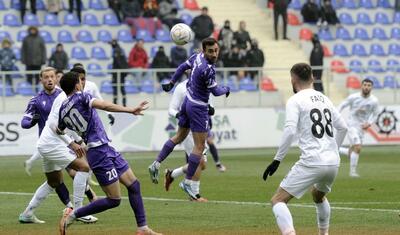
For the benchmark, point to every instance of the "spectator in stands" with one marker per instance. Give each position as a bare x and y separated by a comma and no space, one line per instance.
328,14
78,5
161,60
150,8
59,58
172,19
7,59
242,37
317,59
202,26
234,59
225,38
254,58
310,12
178,56
23,8
165,8
129,8
33,53
138,57
119,62
54,6
115,5
280,8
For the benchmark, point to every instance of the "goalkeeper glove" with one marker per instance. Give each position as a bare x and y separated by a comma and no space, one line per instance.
271,169
167,87
211,110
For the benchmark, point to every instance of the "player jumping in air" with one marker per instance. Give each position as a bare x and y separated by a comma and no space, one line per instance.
312,116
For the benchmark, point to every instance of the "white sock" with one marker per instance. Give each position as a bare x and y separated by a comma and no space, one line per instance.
35,156
196,187
157,164
79,186
40,195
189,182
344,151
353,162
177,172
323,215
283,218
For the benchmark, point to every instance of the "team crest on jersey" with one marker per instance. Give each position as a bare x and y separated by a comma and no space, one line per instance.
386,121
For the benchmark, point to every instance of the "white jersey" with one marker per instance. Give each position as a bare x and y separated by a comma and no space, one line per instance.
92,89
362,109
177,98
313,117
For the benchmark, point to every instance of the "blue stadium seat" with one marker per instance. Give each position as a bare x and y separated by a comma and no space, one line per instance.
382,18
187,18
389,81
104,36
31,20
71,20
396,18
124,36
8,90
340,50
106,87
147,86
363,18
144,35
25,89
17,52
395,33
356,66
358,50
384,4
343,33
91,20
65,36
98,53
2,6
379,33
375,66
345,18
162,35
350,4
366,4
232,84
21,35
377,83
110,20
11,20
85,36
246,84
51,20
394,49
153,51
131,87
377,50
15,4
97,5
361,33
295,4
16,75
95,70
40,5
5,34
393,65
79,53
46,36
325,35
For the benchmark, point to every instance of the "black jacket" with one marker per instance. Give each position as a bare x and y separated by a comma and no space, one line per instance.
255,57
241,39
178,56
310,12
328,14
202,26
119,59
317,55
59,60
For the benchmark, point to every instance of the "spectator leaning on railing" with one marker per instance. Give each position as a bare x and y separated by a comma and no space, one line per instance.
7,59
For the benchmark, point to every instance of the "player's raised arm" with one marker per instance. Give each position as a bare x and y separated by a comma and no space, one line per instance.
111,107
31,115
178,73
344,104
216,89
176,100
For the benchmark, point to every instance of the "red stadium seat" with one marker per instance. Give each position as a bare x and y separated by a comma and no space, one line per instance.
267,84
293,19
338,66
327,52
216,33
191,5
305,34
353,82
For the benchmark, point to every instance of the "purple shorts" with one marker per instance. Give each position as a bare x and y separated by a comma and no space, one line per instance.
194,116
106,163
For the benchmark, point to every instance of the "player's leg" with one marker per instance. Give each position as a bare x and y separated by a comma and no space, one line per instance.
80,180
344,151
90,194
196,181
281,211
28,163
354,156
214,153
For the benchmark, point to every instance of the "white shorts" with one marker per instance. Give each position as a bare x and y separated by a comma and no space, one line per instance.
188,145
300,178
56,159
355,135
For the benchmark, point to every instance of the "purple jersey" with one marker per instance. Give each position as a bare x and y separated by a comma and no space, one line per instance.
77,114
39,105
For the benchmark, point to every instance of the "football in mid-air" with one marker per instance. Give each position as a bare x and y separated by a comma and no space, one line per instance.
181,34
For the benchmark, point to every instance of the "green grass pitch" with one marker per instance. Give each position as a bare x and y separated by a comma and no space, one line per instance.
239,198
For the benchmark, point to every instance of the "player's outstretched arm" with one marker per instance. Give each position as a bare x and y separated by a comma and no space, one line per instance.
29,121
111,107
178,73
218,90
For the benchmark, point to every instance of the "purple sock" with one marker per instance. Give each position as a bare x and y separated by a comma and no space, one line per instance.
97,207
194,161
63,193
214,152
136,201
166,150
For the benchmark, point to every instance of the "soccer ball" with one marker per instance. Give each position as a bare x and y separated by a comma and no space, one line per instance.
181,34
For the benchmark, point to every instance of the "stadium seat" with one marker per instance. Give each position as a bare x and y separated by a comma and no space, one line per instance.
293,19
71,20
97,5
79,53
153,51
4,35
104,36
147,86
17,52
394,49
327,52
395,33
356,66
246,84
384,4
162,35
361,33
99,53
305,34
51,20
2,6
393,65
396,18
144,35
191,5
110,19
267,84
15,4
85,36
187,18
106,87
95,70
40,5
375,66
338,66
11,20
25,89
377,50
16,75
366,4
131,87
363,18
8,91
232,84
389,81
377,83
46,36
31,20
325,34
295,5
343,33
353,82
349,4
346,19
21,35
65,36
382,18
91,20
124,36
358,50
379,33
340,50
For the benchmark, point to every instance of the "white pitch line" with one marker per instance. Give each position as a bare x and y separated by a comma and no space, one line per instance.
300,205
